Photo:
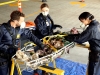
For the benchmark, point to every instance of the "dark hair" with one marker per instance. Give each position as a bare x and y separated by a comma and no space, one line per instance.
86,15
44,5
15,15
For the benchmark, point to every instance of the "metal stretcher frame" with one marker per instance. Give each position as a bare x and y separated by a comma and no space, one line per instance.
41,67
44,67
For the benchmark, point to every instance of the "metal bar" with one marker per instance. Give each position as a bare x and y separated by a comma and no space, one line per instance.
12,67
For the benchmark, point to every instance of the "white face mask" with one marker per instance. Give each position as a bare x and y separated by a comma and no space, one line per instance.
23,24
83,26
45,13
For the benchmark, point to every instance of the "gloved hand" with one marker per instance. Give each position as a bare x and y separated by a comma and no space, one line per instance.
74,31
12,50
46,50
57,32
69,38
36,48
13,47
59,26
43,46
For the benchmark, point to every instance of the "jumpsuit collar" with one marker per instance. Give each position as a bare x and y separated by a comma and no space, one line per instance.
10,24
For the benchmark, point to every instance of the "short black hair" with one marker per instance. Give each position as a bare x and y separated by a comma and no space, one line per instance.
86,15
44,5
15,15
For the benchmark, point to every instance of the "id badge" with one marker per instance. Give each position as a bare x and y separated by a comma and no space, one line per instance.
47,23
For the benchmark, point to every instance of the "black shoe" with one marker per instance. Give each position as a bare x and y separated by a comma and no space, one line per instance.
44,0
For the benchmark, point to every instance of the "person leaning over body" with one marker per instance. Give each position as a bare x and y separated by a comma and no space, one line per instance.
9,42
44,23
92,35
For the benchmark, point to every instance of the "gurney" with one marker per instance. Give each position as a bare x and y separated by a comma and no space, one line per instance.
42,63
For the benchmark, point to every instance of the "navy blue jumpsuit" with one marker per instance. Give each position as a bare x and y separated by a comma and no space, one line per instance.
44,26
92,35
6,41
42,29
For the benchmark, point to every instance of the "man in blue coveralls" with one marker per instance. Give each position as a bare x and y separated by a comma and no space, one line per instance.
9,42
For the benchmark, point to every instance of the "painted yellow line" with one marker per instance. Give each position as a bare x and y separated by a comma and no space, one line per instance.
4,3
13,4
33,13
78,3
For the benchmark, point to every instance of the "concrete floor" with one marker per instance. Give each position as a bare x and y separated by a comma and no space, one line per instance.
63,12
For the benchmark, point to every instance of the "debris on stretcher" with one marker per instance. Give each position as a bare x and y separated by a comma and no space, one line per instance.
56,45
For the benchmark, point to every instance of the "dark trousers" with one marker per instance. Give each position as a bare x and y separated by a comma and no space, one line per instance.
94,66
4,69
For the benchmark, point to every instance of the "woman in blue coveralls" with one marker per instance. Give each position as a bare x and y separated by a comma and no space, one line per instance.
44,23
92,35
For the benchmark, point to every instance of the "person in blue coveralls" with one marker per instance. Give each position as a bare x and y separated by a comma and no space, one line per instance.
44,23
9,40
92,35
